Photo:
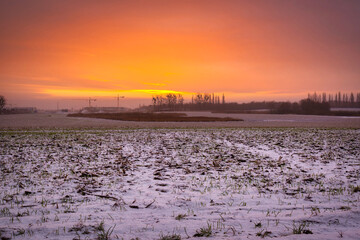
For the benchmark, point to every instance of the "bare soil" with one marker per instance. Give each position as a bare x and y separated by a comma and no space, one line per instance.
154,117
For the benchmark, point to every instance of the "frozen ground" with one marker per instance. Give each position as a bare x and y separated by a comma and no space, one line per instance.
148,184
51,121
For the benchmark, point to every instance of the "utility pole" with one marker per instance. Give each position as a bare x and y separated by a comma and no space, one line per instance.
118,100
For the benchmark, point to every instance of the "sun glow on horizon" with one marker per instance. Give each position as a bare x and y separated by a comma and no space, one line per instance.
149,93
131,93
248,50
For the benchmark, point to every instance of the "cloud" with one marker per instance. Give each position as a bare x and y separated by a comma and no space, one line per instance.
155,84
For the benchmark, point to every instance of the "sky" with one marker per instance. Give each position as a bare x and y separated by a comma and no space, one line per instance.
63,52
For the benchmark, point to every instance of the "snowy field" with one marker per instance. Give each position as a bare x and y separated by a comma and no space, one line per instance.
180,184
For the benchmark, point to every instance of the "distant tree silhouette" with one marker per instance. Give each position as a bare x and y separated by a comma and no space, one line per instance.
352,98
288,107
324,97
285,108
2,103
171,100
180,99
316,103
338,100
308,106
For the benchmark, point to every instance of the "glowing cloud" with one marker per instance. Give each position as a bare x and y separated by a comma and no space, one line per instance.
132,93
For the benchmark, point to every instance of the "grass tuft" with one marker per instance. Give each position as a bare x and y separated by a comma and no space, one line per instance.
301,228
180,216
102,233
204,232
170,237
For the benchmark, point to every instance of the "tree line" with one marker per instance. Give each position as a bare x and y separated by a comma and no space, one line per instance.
217,103
175,102
319,104
339,100
305,106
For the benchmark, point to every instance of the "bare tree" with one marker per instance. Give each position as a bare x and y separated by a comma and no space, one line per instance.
198,98
207,98
180,99
171,100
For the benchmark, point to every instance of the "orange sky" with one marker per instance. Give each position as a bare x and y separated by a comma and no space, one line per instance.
249,50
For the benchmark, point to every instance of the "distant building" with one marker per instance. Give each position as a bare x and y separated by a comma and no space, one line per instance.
103,109
20,110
